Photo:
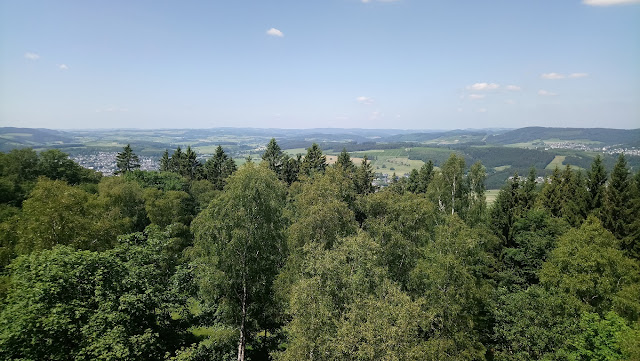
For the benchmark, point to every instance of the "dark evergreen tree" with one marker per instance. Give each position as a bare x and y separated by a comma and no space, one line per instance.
551,195
126,161
193,167
574,202
176,163
419,179
290,168
218,168
364,177
616,210
314,161
344,161
596,184
165,161
632,241
273,156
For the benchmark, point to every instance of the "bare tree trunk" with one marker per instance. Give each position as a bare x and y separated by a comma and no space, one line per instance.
243,339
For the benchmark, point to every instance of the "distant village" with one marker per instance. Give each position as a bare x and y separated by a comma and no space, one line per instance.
589,148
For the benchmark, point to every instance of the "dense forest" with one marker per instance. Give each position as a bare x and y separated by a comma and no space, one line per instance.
289,258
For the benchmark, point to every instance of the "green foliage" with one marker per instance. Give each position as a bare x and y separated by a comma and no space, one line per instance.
400,224
56,213
165,181
344,162
126,160
534,324
314,161
240,247
273,156
343,308
596,181
587,265
363,177
218,168
165,208
65,304
534,237
604,339
451,278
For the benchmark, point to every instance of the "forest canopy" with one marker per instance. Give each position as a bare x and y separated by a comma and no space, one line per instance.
290,258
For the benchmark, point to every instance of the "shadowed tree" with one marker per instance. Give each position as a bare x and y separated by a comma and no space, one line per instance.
126,160
596,182
314,161
219,167
273,156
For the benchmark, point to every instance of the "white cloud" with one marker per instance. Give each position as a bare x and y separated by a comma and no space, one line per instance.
63,67
476,96
275,32
510,101
513,88
482,110
31,56
545,93
609,2
552,76
483,86
364,100
578,75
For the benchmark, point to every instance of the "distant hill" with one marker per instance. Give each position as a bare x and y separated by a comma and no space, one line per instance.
606,136
11,137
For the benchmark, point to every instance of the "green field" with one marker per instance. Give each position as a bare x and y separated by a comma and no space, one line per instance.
491,195
556,162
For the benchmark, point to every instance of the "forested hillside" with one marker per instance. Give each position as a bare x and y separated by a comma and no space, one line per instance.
289,258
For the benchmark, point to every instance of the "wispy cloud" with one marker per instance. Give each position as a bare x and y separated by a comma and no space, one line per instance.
552,76
578,75
482,110
63,67
476,96
546,93
609,2
31,56
275,32
364,100
513,88
483,86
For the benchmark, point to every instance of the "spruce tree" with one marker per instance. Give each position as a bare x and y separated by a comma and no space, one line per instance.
314,161
273,156
617,212
344,161
596,181
165,161
218,168
126,160
192,167
551,194
364,177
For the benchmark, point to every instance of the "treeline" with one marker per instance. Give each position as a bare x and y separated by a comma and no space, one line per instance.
290,258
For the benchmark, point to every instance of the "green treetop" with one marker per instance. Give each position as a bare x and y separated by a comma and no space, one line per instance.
127,160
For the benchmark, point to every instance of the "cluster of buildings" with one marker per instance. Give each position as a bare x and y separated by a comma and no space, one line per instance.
105,162
590,148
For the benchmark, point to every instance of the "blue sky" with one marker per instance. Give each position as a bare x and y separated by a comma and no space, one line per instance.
411,64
